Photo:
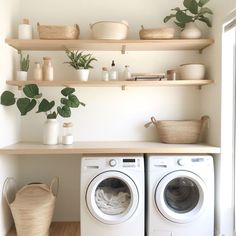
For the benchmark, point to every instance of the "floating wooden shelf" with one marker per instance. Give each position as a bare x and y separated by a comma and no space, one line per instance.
59,229
110,45
106,148
98,83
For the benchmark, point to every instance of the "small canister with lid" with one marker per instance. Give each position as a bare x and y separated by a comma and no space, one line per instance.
67,137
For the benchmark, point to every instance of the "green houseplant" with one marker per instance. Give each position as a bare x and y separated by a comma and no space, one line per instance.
195,10
33,98
80,62
24,67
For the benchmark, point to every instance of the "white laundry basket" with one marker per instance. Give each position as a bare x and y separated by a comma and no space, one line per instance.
33,208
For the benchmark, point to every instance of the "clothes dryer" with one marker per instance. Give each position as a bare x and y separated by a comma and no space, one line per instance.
112,195
180,195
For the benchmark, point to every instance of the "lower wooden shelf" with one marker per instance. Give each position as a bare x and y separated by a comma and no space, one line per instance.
59,229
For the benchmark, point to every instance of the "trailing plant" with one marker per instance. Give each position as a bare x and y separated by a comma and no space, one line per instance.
33,97
24,62
78,60
194,11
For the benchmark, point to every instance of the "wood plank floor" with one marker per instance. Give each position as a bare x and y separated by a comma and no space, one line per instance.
59,229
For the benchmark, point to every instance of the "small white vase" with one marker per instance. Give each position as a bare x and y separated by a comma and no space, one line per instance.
51,132
21,75
191,31
83,74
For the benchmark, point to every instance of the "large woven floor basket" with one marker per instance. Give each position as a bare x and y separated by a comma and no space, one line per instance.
33,208
180,131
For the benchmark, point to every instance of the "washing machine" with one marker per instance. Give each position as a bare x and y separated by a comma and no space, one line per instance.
180,195
112,195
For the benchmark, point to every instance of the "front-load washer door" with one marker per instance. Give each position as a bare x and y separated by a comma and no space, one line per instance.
112,197
181,196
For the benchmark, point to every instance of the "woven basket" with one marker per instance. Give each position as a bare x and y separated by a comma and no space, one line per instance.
180,131
158,33
33,208
58,32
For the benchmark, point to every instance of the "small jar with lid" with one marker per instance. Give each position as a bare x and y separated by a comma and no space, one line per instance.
67,137
47,69
105,74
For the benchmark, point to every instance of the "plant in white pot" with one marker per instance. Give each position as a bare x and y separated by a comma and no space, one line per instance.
33,97
195,10
81,62
24,67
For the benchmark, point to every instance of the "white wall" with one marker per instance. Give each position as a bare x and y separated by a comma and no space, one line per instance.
9,122
211,104
110,113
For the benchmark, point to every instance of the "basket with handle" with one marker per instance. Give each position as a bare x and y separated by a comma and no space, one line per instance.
33,207
180,131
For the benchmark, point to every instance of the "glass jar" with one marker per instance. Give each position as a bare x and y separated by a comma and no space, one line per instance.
67,137
47,69
38,72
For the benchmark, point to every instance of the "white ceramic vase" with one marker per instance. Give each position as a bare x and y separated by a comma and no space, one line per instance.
51,132
191,31
21,75
83,74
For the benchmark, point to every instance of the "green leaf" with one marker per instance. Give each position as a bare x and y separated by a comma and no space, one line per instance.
191,5
52,115
181,25
25,105
176,9
64,101
45,105
67,91
73,101
205,20
8,98
202,2
31,90
64,111
183,17
167,18
205,10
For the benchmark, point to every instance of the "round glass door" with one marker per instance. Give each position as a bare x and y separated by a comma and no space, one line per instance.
112,197
181,196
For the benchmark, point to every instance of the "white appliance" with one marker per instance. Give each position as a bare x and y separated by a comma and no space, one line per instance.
180,195
112,195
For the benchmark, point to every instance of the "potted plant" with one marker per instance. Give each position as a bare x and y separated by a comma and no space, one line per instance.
24,67
195,10
32,98
81,62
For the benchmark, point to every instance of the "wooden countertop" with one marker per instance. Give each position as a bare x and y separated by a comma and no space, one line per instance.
27,148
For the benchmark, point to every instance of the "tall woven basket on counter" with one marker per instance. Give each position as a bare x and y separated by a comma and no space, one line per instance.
33,208
180,131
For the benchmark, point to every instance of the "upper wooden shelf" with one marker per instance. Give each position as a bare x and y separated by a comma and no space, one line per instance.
118,83
110,45
106,147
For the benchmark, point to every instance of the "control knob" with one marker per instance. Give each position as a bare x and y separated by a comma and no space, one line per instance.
182,162
112,162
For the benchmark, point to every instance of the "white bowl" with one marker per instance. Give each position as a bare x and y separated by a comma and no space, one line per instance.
109,30
192,71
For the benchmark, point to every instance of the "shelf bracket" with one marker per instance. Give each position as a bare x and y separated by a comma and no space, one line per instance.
123,87
123,49
199,87
19,51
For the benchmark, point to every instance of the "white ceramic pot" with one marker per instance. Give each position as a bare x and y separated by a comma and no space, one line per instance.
192,71
191,31
109,30
21,75
51,132
83,74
